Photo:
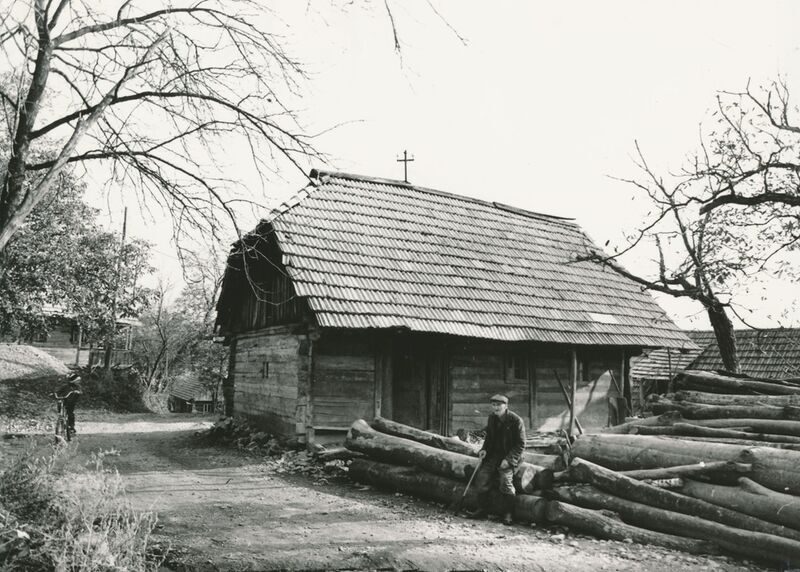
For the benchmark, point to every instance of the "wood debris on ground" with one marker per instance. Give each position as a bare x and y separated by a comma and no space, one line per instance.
715,469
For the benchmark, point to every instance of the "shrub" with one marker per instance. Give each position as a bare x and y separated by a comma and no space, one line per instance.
82,522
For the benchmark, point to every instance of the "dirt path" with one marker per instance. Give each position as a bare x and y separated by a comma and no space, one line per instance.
223,510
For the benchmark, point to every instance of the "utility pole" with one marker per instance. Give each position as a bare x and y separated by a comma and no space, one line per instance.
110,337
405,161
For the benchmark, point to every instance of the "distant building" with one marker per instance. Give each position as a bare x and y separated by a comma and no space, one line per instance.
362,297
770,353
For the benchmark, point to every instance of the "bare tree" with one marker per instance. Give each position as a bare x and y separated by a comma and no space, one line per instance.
157,92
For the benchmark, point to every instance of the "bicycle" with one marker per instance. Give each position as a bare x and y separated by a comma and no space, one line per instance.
63,431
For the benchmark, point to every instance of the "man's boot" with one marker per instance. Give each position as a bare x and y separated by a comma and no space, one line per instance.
483,507
508,509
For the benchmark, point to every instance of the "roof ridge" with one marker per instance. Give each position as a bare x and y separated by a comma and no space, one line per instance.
320,175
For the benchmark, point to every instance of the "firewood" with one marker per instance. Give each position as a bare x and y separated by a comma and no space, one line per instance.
772,467
598,524
631,489
756,545
765,507
416,482
453,444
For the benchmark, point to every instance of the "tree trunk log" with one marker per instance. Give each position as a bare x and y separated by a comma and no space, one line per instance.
715,383
596,523
734,432
744,443
698,411
773,468
552,462
662,420
452,444
399,451
413,481
746,543
763,507
706,398
631,489
751,486
689,470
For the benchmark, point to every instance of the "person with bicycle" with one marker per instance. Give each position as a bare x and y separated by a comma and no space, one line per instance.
69,392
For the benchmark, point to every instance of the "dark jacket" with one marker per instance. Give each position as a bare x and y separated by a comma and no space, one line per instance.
505,438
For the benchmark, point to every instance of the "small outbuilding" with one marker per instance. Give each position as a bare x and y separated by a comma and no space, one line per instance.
363,296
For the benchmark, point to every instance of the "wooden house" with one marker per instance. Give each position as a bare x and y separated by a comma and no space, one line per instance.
772,353
362,297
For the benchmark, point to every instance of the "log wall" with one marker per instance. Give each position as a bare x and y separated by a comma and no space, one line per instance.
269,368
343,386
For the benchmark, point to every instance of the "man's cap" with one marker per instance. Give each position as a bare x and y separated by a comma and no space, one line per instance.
499,398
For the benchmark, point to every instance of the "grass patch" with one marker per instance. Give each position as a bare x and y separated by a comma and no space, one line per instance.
51,519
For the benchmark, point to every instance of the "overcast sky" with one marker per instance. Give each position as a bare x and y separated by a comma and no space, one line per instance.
540,107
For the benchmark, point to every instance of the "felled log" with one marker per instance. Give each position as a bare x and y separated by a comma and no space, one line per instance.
637,491
596,523
773,468
698,411
665,419
715,383
735,432
753,487
399,451
763,507
419,483
552,462
694,469
732,398
774,426
453,444
744,443
336,453
756,545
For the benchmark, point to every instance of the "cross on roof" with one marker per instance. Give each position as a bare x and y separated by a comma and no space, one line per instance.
405,161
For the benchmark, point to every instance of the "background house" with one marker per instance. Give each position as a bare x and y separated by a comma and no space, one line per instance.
771,353
364,296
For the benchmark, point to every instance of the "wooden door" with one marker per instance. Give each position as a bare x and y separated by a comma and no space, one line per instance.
419,385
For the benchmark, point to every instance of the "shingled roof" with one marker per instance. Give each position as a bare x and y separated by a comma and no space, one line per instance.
771,353
375,253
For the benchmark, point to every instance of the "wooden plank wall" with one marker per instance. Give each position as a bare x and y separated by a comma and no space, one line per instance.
478,371
343,389
268,396
551,364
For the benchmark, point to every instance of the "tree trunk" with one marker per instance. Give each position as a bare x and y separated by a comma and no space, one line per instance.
705,398
723,332
689,470
416,482
663,420
776,426
696,411
738,499
736,432
746,543
773,468
552,462
399,451
453,444
711,382
596,523
631,489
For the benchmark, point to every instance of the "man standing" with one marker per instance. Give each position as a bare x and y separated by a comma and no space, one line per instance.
500,455
70,391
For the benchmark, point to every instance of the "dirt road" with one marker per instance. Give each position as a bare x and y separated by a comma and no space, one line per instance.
224,510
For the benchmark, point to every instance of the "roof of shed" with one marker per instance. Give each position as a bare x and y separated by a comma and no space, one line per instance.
190,388
374,253
771,353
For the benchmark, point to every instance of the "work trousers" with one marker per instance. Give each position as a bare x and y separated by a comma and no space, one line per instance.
490,474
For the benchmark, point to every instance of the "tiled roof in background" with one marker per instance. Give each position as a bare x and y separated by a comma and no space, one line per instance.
371,253
190,388
771,353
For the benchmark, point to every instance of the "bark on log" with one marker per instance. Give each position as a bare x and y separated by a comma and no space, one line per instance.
552,462
644,493
336,453
744,443
664,419
715,383
399,451
735,498
751,486
596,523
694,469
707,398
694,430
698,411
413,481
774,426
453,444
746,543
773,468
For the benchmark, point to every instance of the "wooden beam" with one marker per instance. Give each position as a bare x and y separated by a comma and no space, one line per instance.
573,389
